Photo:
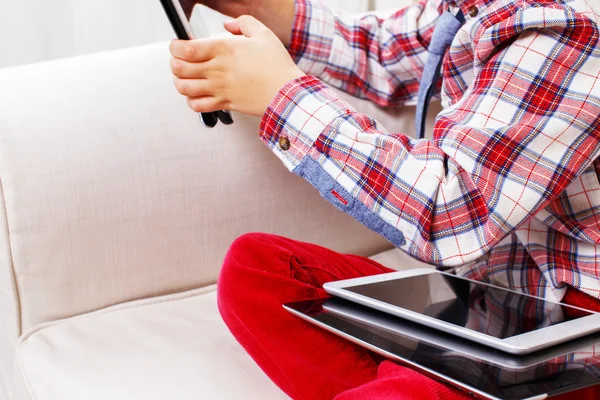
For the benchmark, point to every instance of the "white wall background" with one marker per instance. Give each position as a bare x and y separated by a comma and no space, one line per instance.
38,30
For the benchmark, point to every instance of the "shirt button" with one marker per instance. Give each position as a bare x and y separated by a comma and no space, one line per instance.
284,143
473,11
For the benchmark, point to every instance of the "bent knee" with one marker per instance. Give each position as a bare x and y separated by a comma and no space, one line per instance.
246,259
245,251
251,251
246,244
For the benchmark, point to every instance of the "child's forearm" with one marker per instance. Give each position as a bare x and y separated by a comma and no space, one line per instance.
277,15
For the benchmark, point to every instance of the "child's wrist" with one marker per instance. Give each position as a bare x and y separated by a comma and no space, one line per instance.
278,15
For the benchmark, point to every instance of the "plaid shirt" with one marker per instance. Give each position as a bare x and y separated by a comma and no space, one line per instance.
508,188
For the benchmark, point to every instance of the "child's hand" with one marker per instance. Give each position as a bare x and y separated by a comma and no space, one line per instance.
242,73
277,15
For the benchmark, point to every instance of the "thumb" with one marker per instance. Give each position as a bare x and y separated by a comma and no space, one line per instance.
245,25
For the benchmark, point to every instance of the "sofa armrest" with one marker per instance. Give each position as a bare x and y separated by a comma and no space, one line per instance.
11,384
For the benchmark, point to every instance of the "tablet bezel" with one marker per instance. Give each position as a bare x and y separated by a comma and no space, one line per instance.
405,349
453,343
519,344
426,371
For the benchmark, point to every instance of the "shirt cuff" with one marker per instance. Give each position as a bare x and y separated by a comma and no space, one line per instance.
312,36
299,114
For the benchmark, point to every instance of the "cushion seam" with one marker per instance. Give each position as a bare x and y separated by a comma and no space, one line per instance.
119,307
108,310
14,283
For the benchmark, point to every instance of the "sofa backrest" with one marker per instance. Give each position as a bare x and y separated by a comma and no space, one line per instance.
112,191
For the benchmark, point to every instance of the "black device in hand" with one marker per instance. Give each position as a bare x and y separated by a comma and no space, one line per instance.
179,12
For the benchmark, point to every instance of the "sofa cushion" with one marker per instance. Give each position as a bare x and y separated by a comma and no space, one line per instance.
172,347
175,347
399,260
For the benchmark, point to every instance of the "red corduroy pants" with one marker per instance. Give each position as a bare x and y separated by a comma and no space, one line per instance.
261,272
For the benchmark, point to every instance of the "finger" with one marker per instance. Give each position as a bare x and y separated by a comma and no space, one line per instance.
197,50
205,104
184,69
233,27
193,87
245,25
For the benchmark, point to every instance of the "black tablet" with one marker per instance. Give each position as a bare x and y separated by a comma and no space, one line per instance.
180,14
481,371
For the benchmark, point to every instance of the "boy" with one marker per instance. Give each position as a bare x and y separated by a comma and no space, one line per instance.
507,191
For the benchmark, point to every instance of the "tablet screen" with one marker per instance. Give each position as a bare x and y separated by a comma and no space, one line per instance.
190,11
490,310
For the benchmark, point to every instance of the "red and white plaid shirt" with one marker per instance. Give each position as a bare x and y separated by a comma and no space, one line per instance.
509,186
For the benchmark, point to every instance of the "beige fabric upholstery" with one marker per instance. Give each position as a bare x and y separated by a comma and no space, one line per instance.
172,348
11,385
397,259
176,347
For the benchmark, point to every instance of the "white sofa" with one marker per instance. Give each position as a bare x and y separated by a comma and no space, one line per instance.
116,209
